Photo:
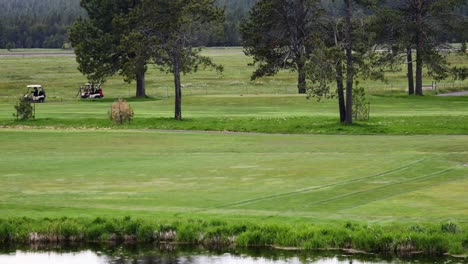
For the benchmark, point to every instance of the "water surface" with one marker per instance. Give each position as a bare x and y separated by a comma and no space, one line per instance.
190,255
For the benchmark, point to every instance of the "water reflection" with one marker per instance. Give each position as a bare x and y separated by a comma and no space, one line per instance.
98,254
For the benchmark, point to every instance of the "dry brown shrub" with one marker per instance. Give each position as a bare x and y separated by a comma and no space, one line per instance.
121,112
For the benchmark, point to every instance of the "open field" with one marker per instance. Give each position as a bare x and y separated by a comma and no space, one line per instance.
94,161
407,165
112,173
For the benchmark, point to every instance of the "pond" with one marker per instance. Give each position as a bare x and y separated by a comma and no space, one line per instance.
98,254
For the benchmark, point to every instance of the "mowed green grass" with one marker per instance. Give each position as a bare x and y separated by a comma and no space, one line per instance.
292,114
74,173
249,106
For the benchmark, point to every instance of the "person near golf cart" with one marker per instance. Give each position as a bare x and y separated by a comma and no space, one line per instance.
89,91
41,92
37,93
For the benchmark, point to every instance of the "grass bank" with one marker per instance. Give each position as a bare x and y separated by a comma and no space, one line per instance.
431,239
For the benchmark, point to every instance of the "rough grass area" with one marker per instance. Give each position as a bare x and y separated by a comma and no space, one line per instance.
61,78
433,239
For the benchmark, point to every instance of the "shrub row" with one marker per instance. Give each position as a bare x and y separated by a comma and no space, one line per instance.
434,239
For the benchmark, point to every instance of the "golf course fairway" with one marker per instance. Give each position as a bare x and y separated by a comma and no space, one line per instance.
75,173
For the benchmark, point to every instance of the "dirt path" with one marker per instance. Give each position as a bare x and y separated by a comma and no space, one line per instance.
37,54
454,94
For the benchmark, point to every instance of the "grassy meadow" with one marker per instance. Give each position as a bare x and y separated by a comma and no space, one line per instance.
406,166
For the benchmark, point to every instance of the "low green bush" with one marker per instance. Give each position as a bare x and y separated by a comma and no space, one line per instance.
94,232
363,240
450,228
68,229
145,232
434,244
455,248
256,237
6,231
24,109
340,238
465,243
315,244
188,233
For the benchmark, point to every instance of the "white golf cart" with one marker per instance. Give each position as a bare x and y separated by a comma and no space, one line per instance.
35,93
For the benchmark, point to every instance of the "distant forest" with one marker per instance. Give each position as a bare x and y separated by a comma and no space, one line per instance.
44,23
36,23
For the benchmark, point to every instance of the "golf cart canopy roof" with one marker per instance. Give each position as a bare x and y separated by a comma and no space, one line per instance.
34,86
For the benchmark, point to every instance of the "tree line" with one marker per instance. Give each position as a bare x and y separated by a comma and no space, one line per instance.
45,23
36,23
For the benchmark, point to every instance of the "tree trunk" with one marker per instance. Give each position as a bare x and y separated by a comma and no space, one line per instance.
419,49
340,90
178,88
296,22
349,65
409,58
140,84
301,78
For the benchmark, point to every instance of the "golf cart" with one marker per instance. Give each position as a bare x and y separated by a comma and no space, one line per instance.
35,93
90,91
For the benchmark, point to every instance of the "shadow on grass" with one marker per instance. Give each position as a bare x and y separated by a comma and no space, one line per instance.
128,99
